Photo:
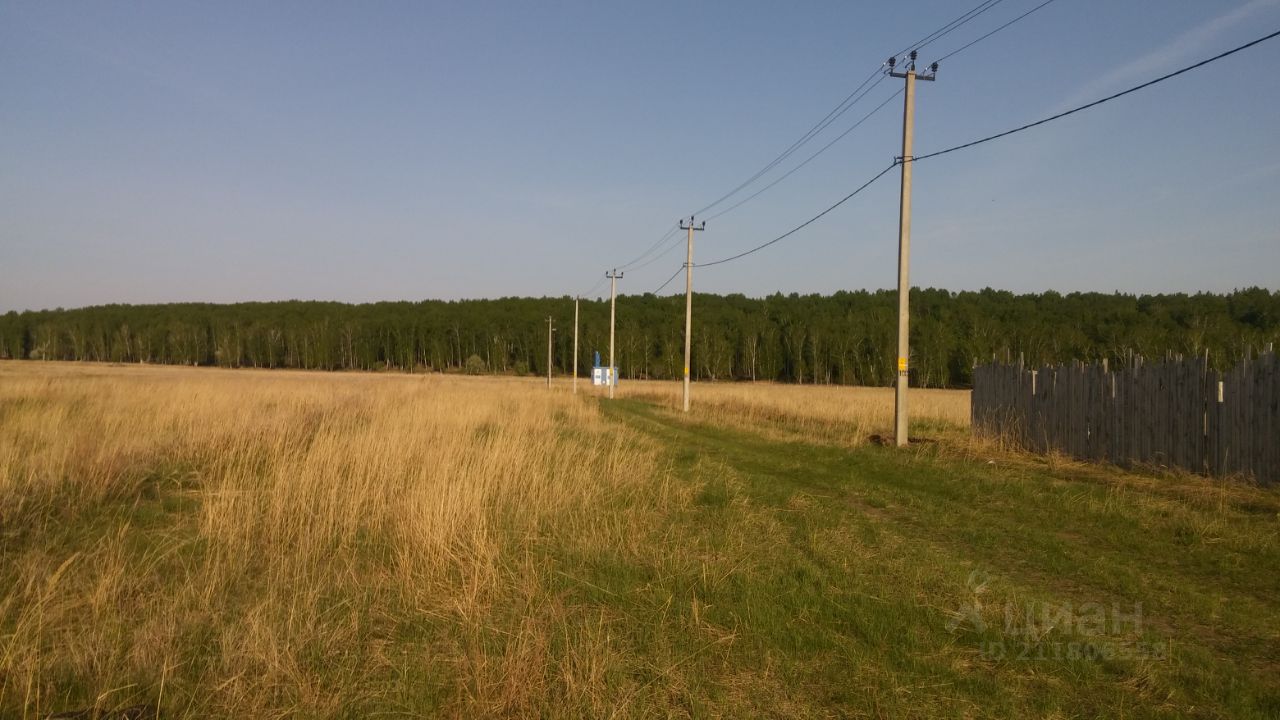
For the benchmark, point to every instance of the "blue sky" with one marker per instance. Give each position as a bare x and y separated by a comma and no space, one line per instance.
170,151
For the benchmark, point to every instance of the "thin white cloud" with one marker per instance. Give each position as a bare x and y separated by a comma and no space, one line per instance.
1185,47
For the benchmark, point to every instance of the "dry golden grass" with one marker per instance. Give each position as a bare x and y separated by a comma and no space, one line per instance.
237,543
267,543
837,414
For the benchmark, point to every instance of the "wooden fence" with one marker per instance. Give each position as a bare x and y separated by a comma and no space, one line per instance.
1177,413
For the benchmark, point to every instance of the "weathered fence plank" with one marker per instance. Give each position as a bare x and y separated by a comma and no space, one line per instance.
1177,413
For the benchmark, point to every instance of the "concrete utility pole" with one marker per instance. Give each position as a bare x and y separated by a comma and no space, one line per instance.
688,302
575,345
550,329
613,276
904,244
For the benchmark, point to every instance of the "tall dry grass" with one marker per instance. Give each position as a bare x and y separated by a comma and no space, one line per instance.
827,413
218,543
267,544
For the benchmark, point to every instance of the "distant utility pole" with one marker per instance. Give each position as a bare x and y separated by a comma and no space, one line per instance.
613,276
688,301
550,329
575,345
904,243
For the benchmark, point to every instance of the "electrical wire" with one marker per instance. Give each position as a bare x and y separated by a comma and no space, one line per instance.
849,101
837,138
668,282
802,225
949,27
836,112
989,138
595,287
667,235
881,105
674,243
822,124
962,48
1096,103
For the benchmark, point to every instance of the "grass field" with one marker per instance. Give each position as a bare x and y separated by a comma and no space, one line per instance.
273,544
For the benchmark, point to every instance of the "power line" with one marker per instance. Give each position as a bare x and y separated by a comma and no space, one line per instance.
950,27
941,32
667,236
993,32
835,113
849,101
593,289
822,124
1096,103
788,174
989,138
670,233
804,224
668,282
673,243
843,106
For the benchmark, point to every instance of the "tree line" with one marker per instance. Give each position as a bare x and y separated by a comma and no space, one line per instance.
845,338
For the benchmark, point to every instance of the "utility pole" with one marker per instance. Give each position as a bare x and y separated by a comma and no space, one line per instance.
550,329
613,276
904,243
575,345
688,302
